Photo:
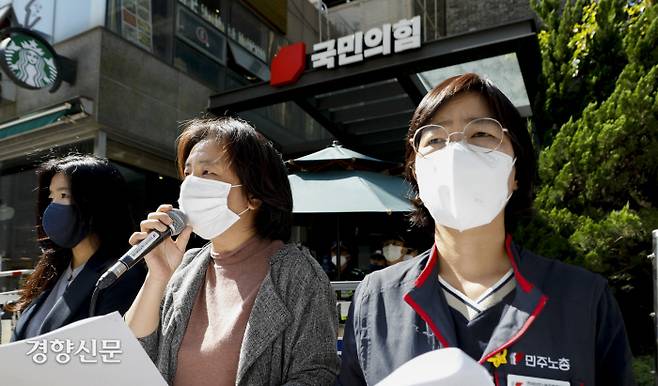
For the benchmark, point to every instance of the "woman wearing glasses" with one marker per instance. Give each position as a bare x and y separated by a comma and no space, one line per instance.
525,318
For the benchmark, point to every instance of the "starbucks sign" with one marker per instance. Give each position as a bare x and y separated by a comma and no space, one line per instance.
29,60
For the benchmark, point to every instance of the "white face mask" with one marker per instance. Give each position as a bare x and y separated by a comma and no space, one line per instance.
205,203
463,189
343,260
392,252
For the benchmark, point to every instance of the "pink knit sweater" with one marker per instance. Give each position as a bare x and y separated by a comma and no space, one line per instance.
210,350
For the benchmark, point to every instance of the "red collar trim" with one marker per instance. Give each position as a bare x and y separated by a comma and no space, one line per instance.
429,267
526,286
425,316
524,328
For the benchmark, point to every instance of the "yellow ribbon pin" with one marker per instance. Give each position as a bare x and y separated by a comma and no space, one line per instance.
499,359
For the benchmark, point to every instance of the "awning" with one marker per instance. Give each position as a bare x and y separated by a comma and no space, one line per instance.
367,106
249,62
34,121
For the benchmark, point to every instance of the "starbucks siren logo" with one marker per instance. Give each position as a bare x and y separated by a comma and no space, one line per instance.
30,62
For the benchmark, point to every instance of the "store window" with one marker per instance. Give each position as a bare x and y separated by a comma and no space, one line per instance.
212,11
252,33
202,38
249,32
200,34
18,248
148,24
147,190
190,60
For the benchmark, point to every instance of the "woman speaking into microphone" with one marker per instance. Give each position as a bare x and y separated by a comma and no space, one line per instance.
246,309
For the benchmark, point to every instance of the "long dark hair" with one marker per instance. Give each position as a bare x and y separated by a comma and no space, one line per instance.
255,161
520,204
98,192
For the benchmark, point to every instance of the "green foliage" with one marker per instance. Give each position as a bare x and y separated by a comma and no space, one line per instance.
643,368
611,139
581,56
597,201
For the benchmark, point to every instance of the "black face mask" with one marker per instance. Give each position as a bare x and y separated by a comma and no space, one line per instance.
63,225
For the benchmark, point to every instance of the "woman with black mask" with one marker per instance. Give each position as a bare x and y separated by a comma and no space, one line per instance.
83,220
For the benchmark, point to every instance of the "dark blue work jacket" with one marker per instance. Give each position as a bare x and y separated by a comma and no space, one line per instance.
563,324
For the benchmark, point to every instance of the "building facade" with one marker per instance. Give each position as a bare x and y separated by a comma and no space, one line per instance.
144,66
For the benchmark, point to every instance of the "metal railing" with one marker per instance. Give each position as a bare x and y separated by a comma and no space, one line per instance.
342,306
8,320
16,273
10,296
6,325
344,285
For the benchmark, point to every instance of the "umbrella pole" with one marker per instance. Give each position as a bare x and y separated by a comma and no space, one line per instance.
338,248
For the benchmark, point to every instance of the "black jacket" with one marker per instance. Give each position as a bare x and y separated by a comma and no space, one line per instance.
74,303
563,324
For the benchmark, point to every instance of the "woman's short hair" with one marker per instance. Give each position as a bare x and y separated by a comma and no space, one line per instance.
255,161
520,204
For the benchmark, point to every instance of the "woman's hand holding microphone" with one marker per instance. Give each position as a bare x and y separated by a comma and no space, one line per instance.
163,260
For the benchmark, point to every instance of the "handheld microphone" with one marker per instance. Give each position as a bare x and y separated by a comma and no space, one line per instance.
137,252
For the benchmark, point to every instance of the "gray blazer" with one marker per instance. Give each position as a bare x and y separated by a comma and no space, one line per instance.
290,337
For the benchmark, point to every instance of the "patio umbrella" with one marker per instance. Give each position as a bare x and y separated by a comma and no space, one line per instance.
341,191
337,157
346,191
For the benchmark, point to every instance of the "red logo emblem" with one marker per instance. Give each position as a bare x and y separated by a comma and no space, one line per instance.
288,64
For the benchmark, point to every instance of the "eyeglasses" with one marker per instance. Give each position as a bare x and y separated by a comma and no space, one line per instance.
481,135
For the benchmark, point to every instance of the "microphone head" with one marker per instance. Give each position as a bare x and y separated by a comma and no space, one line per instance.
180,221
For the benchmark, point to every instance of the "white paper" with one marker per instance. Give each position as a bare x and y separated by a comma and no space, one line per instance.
444,367
108,331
